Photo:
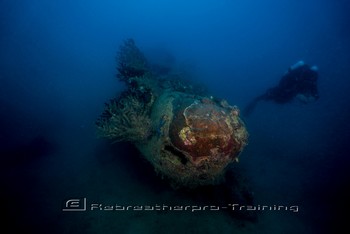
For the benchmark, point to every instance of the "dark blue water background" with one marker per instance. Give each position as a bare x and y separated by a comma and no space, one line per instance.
57,68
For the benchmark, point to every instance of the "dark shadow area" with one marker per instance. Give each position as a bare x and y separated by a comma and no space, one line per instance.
22,193
35,149
328,195
236,188
129,157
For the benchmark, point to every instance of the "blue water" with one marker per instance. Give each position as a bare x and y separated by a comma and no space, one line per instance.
57,68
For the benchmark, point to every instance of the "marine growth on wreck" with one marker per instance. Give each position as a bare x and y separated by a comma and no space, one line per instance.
188,136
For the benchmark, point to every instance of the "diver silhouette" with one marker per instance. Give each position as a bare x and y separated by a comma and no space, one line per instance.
300,81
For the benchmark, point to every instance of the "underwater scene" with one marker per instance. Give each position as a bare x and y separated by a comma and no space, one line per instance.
168,116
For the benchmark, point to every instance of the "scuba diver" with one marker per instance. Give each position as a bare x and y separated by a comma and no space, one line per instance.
300,81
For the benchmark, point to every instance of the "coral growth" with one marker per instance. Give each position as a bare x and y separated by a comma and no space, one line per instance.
189,137
127,118
130,61
205,131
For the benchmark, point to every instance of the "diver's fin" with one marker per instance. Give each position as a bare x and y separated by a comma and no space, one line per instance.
249,109
251,106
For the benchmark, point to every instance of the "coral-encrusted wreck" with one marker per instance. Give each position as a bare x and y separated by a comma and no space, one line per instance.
187,136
